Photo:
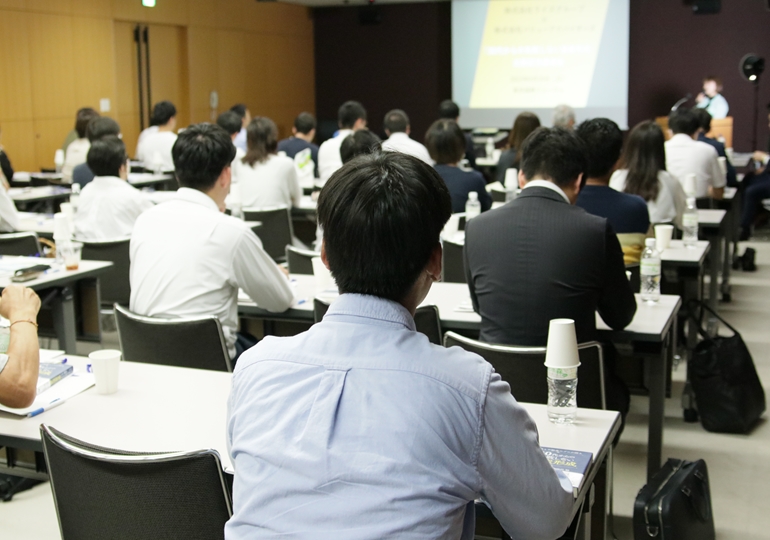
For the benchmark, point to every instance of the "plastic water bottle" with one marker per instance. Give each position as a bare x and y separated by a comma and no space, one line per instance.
473,206
511,184
490,147
650,272
58,160
75,196
690,223
562,394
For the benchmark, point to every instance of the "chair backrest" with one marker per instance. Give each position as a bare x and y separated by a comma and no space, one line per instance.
21,243
114,284
453,263
523,369
104,493
498,196
194,343
427,321
319,309
276,232
300,260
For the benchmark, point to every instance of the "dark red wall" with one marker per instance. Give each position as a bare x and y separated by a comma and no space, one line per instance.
405,61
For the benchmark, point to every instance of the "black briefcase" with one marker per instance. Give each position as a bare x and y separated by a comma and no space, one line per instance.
675,504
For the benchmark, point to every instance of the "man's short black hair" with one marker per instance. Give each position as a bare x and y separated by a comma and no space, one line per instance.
362,141
445,142
106,156
683,121
304,123
604,142
239,109
396,121
448,109
349,113
704,119
554,154
101,126
230,122
82,118
382,215
201,153
162,112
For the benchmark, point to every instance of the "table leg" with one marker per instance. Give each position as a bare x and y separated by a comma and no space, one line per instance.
715,259
657,373
63,307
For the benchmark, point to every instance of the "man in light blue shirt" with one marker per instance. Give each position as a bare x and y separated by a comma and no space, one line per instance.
360,428
711,98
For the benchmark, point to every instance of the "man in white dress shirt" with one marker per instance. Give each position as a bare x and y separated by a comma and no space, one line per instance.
108,205
350,117
155,150
686,155
397,129
231,123
188,259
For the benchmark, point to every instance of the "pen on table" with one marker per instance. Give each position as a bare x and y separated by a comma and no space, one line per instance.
62,361
301,302
55,403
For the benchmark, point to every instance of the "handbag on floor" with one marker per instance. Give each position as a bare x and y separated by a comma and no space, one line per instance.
675,504
728,393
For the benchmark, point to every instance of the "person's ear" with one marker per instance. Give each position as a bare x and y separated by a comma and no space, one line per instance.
433,268
387,132
522,179
408,130
226,177
293,131
324,259
578,182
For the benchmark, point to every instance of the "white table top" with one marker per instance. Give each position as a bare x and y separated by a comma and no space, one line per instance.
145,179
23,177
679,254
42,224
307,203
28,194
711,218
54,276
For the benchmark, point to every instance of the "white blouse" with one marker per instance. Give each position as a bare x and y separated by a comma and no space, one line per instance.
671,201
272,182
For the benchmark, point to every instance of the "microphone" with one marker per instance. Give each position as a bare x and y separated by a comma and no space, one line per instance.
681,102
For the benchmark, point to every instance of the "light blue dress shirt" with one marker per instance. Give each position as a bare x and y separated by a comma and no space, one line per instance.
361,429
717,106
240,140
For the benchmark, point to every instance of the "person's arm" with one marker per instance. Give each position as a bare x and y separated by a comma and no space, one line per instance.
5,163
18,380
9,216
680,200
718,107
295,190
718,179
468,276
527,496
258,275
617,304
484,196
314,157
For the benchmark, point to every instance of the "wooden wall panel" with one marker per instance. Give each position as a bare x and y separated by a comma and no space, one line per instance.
63,7
14,4
15,85
126,105
93,61
18,139
51,61
92,8
233,71
49,135
168,49
204,71
204,13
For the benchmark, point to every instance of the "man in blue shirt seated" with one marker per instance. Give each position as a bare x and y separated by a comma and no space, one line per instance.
360,428
627,214
704,119
301,140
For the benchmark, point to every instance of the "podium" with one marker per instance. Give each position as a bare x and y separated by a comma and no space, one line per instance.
719,128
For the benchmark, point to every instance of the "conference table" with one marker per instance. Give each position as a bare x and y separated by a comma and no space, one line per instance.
713,225
25,197
164,408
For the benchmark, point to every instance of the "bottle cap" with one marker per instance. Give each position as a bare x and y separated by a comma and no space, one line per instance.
474,196
649,242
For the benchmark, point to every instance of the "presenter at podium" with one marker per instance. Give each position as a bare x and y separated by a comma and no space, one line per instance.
711,98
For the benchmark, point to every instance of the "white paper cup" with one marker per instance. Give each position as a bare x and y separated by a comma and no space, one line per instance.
512,179
663,235
323,278
690,184
722,164
61,226
105,365
562,351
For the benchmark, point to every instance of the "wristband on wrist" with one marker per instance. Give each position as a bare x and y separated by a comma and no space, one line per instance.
25,320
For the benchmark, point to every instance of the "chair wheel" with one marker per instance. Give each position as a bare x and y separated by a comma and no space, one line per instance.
690,416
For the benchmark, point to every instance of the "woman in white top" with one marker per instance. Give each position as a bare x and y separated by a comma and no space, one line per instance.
266,178
78,149
643,172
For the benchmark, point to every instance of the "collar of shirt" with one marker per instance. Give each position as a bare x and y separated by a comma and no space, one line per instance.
197,197
341,134
680,138
372,310
399,135
108,179
547,184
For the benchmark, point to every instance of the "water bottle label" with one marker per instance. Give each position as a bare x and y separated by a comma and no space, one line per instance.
650,268
690,220
562,372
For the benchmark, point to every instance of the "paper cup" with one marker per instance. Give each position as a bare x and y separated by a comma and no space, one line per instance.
323,278
722,164
690,184
61,226
512,179
105,365
663,235
562,351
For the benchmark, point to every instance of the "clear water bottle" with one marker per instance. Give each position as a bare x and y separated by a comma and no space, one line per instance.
650,272
511,184
473,206
690,223
562,394
490,147
75,196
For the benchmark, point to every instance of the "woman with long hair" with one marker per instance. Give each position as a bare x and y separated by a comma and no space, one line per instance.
524,124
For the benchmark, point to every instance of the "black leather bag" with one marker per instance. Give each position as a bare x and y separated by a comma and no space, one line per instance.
728,393
675,504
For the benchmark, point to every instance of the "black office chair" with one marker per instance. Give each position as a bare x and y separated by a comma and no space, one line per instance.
498,196
523,369
193,343
300,260
427,321
319,309
104,493
453,263
25,244
276,232
114,283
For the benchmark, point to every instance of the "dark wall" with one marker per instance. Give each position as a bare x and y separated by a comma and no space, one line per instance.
405,61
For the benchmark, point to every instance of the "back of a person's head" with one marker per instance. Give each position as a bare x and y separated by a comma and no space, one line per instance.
82,118
261,140
563,116
644,156
554,154
304,123
524,124
162,112
445,142
382,215
704,119
448,109
201,153
361,142
683,121
603,142
239,109
230,122
101,126
106,156
349,113
396,121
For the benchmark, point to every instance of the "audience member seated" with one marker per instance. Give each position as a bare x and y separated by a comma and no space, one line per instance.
301,141
563,117
77,149
231,123
446,145
711,99
524,124
397,128
99,127
350,117
155,150
109,205
627,214
244,114
704,122
188,258
5,164
19,366
643,172
152,128
361,142
359,427
449,110
266,178
758,189
685,155
9,216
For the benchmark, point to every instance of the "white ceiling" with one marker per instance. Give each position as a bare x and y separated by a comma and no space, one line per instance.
320,3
